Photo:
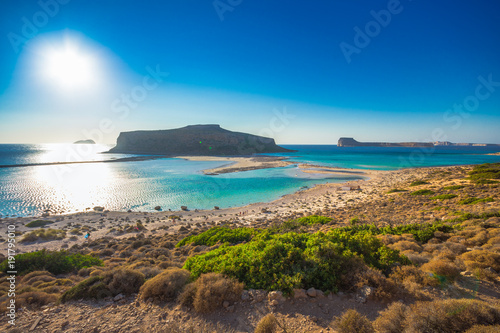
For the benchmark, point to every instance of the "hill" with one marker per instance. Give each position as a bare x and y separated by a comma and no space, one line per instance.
194,140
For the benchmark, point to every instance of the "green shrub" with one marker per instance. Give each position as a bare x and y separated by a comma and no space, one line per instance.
422,192
38,223
353,322
419,182
444,197
219,235
485,173
313,219
55,262
474,200
454,187
396,190
421,232
291,260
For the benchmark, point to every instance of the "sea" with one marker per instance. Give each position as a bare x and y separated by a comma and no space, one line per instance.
173,182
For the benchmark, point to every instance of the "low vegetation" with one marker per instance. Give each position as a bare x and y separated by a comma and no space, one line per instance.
43,235
38,223
55,262
419,182
287,261
422,192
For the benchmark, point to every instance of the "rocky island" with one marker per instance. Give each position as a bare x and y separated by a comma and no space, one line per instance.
84,142
350,142
194,140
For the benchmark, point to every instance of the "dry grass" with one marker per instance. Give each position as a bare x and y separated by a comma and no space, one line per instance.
385,289
353,322
213,289
452,315
405,245
392,319
34,299
268,324
442,268
483,329
481,259
125,281
165,286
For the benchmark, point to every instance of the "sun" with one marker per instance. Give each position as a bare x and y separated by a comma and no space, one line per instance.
69,67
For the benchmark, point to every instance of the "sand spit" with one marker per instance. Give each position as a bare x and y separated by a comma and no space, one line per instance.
238,164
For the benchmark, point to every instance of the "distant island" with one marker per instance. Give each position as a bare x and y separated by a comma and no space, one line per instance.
84,142
350,142
195,140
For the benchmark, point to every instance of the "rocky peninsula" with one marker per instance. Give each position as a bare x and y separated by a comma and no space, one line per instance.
350,142
195,140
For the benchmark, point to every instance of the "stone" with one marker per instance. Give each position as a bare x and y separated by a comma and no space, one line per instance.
225,304
299,293
118,297
245,296
363,294
257,295
275,296
311,292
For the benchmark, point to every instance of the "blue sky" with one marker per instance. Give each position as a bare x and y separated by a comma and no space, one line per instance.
299,71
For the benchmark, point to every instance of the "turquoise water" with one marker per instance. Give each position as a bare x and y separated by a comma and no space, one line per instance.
170,183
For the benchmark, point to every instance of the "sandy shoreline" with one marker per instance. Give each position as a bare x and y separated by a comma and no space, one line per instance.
305,201
238,164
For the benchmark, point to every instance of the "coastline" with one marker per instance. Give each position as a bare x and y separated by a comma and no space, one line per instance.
307,201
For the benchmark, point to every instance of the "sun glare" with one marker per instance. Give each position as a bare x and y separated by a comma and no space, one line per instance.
69,66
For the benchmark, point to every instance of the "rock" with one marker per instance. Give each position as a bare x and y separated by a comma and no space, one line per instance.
275,296
319,294
245,296
257,295
363,294
98,209
230,309
225,304
118,297
158,208
311,292
491,270
299,293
